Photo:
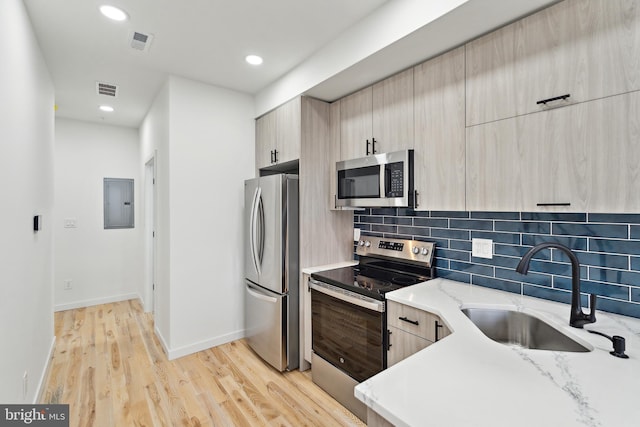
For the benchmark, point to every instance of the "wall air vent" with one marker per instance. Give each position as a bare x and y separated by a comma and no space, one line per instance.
140,41
107,89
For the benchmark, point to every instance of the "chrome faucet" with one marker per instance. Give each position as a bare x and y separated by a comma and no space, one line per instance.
577,318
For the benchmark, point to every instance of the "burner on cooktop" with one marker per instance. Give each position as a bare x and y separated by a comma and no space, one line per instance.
399,280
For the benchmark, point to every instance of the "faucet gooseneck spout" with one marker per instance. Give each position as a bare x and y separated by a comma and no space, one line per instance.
577,318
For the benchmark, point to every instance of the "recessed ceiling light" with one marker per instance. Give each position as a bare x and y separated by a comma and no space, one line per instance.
113,12
253,59
106,108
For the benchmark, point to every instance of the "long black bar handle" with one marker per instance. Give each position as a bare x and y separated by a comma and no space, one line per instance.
275,156
438,325
389,339
413,322
555,98
373,145
368,147
415,198
554,204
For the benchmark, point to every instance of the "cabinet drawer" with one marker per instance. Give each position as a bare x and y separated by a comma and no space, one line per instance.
413,320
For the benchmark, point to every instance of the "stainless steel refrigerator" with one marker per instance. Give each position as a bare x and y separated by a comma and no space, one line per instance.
271,269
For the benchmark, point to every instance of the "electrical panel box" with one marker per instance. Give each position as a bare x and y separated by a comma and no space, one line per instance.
118,203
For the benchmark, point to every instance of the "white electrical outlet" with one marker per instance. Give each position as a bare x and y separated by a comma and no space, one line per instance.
356,234
482,248
68,284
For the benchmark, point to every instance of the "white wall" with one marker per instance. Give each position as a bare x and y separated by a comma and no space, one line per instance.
104,265
154,141
26,189
204,137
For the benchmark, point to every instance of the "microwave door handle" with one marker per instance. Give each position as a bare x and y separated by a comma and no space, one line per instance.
385,181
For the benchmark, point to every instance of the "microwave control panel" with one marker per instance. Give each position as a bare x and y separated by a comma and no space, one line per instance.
394,182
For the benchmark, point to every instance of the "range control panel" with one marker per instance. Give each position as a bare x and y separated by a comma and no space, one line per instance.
409,250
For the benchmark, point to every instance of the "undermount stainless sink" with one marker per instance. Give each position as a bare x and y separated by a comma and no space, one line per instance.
512,327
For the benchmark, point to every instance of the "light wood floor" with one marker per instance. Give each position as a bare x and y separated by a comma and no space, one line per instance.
110,368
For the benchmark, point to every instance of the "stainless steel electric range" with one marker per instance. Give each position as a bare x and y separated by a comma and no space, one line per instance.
349,322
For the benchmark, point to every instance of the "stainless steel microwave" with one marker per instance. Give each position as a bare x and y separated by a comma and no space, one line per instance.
379,180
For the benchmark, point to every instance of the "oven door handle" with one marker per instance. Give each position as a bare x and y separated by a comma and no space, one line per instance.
346,296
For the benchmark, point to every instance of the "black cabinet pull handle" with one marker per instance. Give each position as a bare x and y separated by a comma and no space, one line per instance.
415,198
373,145
275,156
438,325
388,339
413,322
368,147
555,98
554,204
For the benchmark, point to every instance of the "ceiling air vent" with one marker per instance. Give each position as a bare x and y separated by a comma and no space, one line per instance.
140,41
107,89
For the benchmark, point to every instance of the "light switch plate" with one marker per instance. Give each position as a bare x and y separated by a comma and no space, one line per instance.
356,234
482,248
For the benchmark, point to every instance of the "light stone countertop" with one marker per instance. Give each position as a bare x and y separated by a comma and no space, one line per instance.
467,379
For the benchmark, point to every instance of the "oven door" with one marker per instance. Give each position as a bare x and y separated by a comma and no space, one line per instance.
348,330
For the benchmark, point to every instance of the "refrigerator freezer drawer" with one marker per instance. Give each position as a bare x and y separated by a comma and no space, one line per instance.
265,322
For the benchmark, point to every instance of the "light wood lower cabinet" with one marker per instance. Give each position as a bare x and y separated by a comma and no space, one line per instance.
410,330
403,344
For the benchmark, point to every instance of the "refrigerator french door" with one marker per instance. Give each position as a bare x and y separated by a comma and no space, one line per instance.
271,269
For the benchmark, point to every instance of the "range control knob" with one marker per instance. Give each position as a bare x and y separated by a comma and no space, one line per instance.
361,242
367,243
425,251
416,250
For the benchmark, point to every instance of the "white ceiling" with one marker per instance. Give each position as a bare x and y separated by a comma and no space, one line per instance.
204,40
207,40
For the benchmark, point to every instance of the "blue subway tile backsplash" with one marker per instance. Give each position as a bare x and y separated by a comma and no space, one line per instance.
607,245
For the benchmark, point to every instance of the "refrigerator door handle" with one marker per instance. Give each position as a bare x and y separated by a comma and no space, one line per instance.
260,295
253,234
261,225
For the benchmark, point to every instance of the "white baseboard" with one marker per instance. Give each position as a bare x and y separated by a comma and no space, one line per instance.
45,373
201,345
95,301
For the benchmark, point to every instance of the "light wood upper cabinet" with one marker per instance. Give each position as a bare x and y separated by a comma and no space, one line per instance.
265,139
582,158
439,156
288,128
382,112
587,49
356,124
278,135
393,113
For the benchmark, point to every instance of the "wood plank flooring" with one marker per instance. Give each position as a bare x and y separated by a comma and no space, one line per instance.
110,368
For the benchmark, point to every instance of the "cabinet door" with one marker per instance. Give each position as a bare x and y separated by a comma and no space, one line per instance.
356,117
612,136
334,152
587,49
535,162
288,131
439,155
265,139
393,113
403,345
498,165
